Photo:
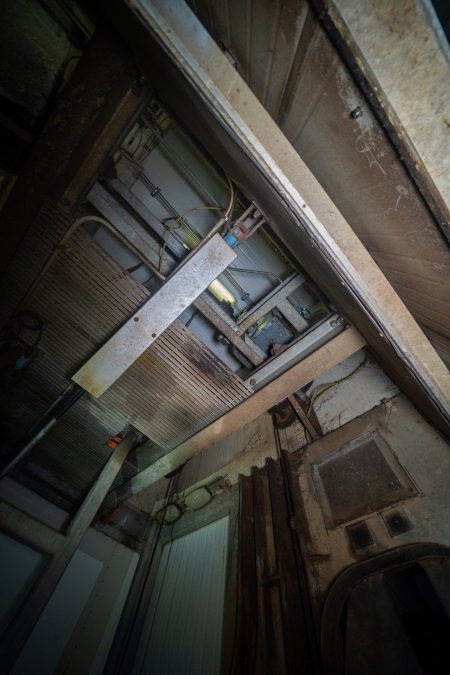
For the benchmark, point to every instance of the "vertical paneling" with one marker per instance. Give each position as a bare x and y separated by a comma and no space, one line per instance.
185,617
82,299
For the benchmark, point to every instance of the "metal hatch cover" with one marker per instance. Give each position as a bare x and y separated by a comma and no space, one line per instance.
360,478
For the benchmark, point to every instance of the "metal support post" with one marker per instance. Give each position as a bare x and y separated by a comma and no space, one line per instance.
59,547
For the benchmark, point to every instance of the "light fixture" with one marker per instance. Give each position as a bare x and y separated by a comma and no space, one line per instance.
221,292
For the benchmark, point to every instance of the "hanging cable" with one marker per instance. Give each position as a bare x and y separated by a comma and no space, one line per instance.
176,225
259,272
321,389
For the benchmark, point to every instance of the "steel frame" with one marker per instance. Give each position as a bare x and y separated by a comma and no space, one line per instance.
350,272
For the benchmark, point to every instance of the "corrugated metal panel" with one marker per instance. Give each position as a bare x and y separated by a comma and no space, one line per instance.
183,632
285,56
251,445
176,387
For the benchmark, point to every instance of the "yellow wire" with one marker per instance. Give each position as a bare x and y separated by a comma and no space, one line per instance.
170,228
322,388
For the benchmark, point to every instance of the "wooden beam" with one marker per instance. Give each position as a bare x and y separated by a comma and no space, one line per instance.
304,419
88,120
326,357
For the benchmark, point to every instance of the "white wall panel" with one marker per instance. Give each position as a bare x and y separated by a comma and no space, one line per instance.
20,566
54,628
184,626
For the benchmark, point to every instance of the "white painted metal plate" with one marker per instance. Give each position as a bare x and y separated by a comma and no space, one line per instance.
152,319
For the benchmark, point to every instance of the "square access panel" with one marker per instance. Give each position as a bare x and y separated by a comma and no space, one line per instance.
360,478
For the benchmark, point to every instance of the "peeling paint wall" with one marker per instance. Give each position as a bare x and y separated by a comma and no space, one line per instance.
424,455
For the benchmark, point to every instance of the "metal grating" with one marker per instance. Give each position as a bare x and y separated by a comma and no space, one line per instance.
175,388
360,478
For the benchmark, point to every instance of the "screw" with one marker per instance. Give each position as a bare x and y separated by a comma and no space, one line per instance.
153,335
356,112
252,382
136,318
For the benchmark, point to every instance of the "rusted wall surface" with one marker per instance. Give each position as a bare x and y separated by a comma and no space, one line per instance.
285,56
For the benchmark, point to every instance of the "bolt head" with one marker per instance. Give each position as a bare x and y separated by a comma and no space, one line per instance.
356,112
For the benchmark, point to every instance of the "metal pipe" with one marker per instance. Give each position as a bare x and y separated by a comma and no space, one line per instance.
70,387
202,242
242,270
72,229
156,193
180,162
209,235
129,245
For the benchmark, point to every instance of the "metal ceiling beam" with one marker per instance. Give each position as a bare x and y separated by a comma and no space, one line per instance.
272,300
228,327
155,315
284,186
326,357
130,228
297,350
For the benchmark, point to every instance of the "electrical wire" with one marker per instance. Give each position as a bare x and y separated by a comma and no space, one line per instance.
30,321
155,192
321,389
182,216
232,193
259,272
176,225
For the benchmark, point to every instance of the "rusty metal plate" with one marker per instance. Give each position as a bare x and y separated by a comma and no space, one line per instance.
362,477
152,319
